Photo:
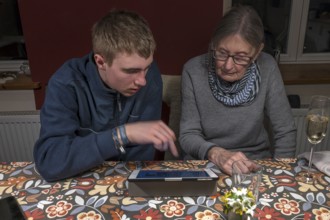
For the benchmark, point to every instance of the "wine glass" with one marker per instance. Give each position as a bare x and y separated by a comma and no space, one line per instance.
317,119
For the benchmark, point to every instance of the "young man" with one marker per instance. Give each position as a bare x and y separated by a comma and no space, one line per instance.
106,105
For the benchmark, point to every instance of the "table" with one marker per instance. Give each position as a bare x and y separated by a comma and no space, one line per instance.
102,193
22,82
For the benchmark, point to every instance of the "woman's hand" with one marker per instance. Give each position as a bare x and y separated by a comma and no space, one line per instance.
224,159
152,132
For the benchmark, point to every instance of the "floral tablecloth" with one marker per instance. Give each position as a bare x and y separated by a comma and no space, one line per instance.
102,193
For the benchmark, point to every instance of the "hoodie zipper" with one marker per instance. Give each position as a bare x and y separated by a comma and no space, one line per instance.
118,109
119,102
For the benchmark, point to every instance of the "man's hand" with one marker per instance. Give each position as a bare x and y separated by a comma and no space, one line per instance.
152,132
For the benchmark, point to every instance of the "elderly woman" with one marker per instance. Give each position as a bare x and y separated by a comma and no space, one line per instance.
228,92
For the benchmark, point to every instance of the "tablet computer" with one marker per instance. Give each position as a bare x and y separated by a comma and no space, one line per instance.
172,175
172,182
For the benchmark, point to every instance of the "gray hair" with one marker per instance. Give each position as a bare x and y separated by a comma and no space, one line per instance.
243,21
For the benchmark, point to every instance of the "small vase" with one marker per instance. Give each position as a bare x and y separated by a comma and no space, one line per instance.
234,216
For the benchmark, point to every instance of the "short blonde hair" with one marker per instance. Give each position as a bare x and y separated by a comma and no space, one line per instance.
122,32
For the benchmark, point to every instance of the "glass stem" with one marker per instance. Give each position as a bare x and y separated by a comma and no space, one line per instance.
310,159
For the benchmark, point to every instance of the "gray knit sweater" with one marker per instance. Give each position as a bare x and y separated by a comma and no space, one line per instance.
205,122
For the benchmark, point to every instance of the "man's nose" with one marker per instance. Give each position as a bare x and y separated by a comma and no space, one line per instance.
141,79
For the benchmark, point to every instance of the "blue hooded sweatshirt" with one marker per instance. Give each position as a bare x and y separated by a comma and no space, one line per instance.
79,113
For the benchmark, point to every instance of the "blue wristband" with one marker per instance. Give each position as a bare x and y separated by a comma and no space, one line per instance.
123,135
118,145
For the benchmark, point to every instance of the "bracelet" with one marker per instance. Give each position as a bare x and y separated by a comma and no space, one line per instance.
119,137
123,137
118,145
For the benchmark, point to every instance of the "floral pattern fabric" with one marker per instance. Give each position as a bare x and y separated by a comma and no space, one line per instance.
102,193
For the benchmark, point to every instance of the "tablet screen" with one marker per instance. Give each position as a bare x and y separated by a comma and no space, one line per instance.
155,174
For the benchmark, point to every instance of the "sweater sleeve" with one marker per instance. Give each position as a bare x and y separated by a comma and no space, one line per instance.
191,139
63,148
279,112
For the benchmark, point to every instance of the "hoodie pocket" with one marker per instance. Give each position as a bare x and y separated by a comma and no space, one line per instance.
134,118
82,132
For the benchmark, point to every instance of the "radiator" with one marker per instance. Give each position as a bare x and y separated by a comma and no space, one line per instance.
302,143
20,130
18,133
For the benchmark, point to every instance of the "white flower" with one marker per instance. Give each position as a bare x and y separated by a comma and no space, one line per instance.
250,211
244,191
239,201
234,190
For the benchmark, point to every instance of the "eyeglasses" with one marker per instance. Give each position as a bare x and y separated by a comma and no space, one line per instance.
239,60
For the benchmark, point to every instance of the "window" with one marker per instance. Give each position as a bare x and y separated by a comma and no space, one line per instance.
297,29
12,46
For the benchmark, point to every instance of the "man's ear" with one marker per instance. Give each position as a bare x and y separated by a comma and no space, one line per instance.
99,61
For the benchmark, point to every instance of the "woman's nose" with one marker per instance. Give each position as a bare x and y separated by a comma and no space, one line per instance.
229,63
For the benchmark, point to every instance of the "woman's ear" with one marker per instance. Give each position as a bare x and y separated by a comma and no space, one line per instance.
261,47
99,61
258,51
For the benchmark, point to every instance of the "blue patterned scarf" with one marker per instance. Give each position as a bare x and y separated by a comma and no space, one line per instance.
241,92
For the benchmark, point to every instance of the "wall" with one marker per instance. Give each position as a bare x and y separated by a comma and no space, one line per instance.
23,100
307,91
17,100
55,31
